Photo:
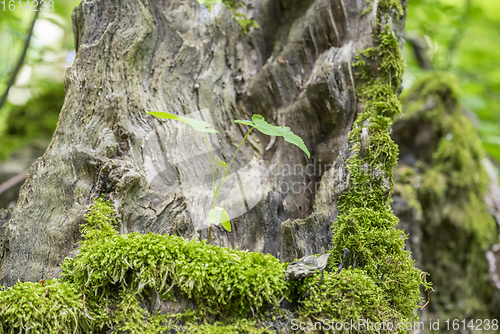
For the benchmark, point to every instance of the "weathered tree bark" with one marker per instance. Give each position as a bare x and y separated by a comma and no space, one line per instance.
136,56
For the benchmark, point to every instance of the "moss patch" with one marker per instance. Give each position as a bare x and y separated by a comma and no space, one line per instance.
448,182
383,270
49,306
118,274
356,297
453,174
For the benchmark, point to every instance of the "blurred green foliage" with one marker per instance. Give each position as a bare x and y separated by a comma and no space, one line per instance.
40,93
461,37
36,119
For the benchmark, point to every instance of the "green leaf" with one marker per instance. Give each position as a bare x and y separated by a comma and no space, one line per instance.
214,216
219,162
225,222
219,215
258,118
200,126
245,122
245,22
260,124
209,2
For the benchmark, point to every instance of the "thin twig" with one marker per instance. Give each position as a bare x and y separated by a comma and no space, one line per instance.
13,181
20,62
234,156
428,300
346,251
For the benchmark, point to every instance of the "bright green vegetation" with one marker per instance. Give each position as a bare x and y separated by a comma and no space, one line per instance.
242,326
219,280
454,173
461,37
384,285
47,307
447,184
13,28
351,294
218,215
37,119
118,274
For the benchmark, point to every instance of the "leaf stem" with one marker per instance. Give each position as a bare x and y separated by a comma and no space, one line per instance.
212,166
217,185
209,234
234,156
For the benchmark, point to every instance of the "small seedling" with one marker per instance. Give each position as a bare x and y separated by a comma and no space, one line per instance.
218,215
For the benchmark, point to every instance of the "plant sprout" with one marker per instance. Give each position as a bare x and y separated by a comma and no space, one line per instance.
218,215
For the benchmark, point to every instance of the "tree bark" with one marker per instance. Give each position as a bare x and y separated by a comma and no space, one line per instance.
135,56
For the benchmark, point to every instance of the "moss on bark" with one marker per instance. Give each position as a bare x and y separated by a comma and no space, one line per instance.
441,174
366,244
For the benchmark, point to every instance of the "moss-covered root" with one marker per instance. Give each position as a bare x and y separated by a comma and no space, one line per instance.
122,271
113,279
366,227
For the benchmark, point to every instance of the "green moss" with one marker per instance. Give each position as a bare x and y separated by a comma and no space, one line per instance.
121,270
242,326
454,174
220,281
118,274
244,22
367,9
351,294
388,7
46,307
406,180
367,225
450,184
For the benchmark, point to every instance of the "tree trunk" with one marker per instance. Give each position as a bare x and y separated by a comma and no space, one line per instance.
177,56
